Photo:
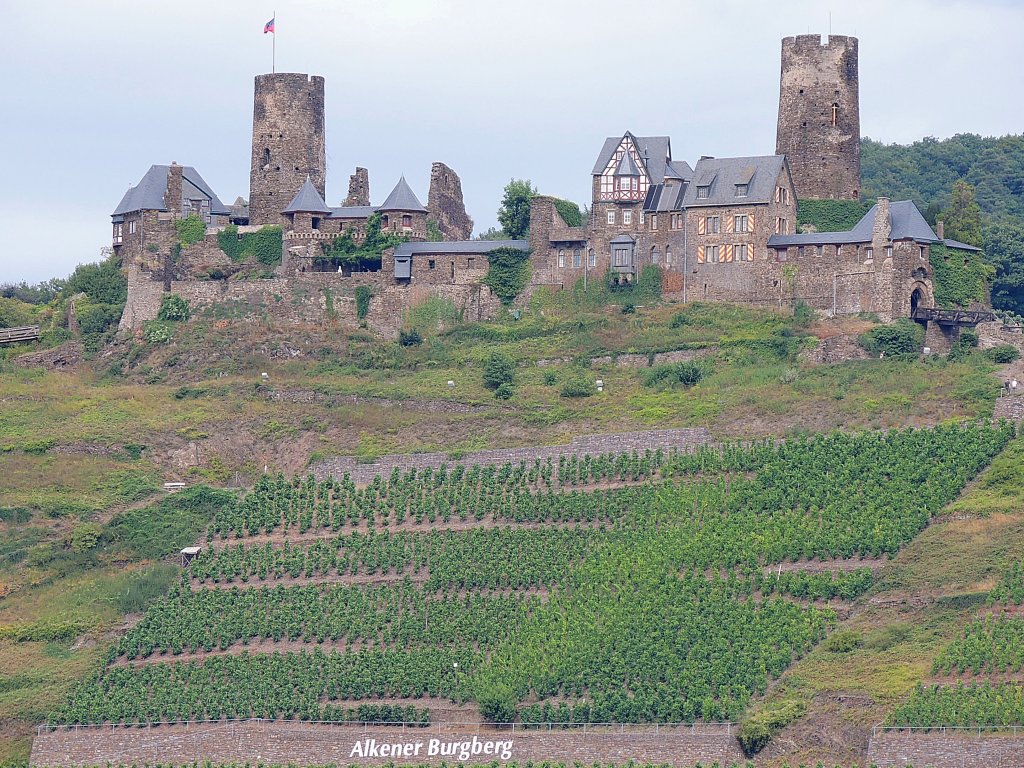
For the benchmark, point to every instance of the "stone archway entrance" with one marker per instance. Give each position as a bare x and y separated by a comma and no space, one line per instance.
916,300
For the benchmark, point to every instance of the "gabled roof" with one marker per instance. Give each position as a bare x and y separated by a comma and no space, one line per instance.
905,222
460,246
402,198
678,169
656,152
722,174
307,200
148,194
627,166
960,246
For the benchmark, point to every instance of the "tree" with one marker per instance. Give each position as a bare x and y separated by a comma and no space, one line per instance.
499,369
1004,250
514,213
963,216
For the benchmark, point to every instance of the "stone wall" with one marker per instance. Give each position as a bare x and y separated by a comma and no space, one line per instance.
952,749
316,743
824,157
623,442
145,292
288,142
358,188
445,204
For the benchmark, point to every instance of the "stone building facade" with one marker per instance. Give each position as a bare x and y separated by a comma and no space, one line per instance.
288,142
819,115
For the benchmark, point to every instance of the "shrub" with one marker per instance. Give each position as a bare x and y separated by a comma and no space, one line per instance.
843,642
191,230
173,308
508,270
629,309
550,378
578,387
410,338
757,731
679,319
969,337
685,373
156,332
803,315
497,704
85,537
900,339
1002,354
504,391
499,369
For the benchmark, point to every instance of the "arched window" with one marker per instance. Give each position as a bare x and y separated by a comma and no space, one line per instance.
654,254
668,254
561,257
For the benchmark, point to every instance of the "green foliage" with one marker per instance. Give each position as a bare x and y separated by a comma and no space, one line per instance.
156,332
497,704
85,537
102,283
410,338
514,213
433,314
803,314
569,211
264,246
363,295
191,230
644,289
508,271
499,369
904,338
843,642
578,386
146,586
550,378
1002,354
344,251
969,337
173,308
504,391
687,373
172,523
757,731
96,319
1004,250
434,234
960,277
963,216
830,215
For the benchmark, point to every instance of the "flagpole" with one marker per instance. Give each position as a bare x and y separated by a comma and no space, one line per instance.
273,49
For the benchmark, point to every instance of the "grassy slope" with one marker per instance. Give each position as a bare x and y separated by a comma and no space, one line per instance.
132,403
921,601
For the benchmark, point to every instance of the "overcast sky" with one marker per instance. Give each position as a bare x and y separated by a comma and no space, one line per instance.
95,92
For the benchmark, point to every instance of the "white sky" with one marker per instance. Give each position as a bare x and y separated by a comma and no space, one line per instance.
95,92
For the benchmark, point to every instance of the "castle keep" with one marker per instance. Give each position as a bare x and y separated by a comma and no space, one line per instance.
722,229
819,116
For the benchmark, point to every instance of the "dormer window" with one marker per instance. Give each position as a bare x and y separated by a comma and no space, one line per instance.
741,190
628,183
704,192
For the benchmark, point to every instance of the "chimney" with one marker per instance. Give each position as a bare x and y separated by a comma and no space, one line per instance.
940,229
881,228
172,197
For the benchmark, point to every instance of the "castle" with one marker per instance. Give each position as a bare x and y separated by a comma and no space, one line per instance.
723,229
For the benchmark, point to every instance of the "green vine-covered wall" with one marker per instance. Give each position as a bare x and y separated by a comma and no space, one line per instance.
960,277
508,271
263,246
830,215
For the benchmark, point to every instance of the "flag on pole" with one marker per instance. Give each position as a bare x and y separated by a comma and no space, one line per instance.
268,27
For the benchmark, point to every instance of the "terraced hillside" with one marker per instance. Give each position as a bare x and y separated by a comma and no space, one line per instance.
654,587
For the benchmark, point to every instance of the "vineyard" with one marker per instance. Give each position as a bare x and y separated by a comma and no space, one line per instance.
632,588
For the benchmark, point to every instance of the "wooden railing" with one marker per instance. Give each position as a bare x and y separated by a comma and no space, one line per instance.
18,335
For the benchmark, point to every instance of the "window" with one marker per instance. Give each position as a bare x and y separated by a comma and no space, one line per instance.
577,260
131,227
431,264
655,256
266,155
384,221
920,251
654,222
713,257
621,257
315,222
741,224
641,218
406,221
561,257
703,193
781,226
470,262
743,251
118,233
782,195
627,217
592,258
835,114
627,183
668,254
741,190
611,216
869,253
817,250
712,225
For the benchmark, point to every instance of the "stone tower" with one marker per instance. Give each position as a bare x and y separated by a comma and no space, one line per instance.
287,142
819,116
445,204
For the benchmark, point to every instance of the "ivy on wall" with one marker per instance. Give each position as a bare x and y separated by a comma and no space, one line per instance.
190,230
508,271
569,211
263,246
363,294
960,277
830,215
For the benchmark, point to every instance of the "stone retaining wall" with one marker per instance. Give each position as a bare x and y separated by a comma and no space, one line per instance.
623,442
1009,407
316,743
935,749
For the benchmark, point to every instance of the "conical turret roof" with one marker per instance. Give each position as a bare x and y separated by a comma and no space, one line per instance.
307,200
627,166
402,198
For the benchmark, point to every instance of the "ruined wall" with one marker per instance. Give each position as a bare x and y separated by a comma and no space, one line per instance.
445,204
297,743
358,188
288,142
824,157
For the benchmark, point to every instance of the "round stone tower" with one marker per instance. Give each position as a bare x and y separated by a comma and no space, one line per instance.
819,115
287,142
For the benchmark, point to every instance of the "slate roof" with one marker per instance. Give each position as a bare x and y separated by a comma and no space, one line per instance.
148,194
905,221
960,246
667,196
724,173
460,246
627,166
353,212
678,169
402,198
656,151
307,200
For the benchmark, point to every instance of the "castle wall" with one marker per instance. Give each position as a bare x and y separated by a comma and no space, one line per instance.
823,157
445,204
359,188
288,142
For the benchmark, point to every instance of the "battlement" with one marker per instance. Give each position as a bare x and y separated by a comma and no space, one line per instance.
814,43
